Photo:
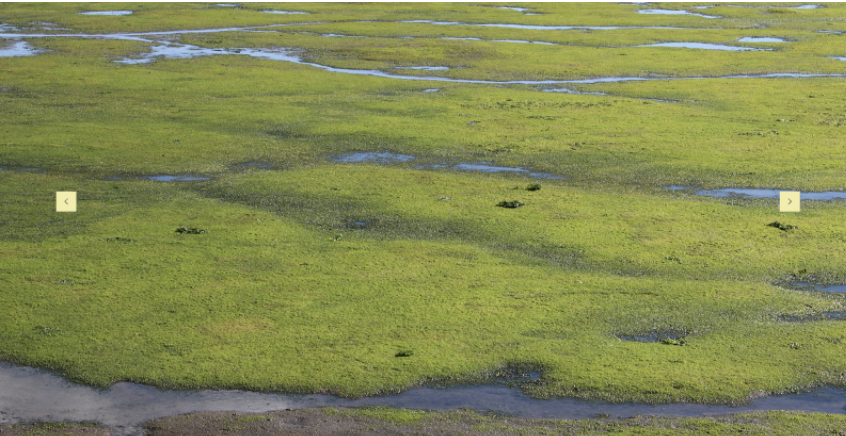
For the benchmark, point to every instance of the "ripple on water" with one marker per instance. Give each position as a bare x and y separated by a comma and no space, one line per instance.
106,13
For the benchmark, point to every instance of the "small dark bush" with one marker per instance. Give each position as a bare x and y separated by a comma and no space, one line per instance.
533,187
671,341
405,353
513,204
780,226
191,231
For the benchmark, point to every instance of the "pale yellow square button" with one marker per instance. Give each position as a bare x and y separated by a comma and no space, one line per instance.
788,201
65,201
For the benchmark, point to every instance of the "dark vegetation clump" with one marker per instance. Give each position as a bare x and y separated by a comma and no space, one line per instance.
533,187
191,231
119,239
513,204
405,353
780,226
673,341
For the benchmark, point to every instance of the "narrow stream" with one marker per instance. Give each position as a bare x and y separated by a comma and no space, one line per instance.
31,394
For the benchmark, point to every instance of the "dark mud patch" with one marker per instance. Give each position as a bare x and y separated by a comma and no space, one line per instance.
246,166
818,316
662,337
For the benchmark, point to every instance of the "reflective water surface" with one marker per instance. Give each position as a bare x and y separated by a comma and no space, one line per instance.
672,12
702,46
20,48
106,13
33,394
760,39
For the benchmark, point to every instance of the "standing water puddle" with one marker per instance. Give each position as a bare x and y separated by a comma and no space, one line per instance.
672,12
572,91
387,158
284,12
703,46
762,193
359,157
805,286
175,178
760,39
423,68
517,41
106,13
536,27
31,394
823,316
20,48
481,167
513,8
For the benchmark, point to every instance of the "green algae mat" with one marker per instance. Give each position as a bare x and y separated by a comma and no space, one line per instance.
294,265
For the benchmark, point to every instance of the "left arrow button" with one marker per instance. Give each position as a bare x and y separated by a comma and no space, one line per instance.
65,201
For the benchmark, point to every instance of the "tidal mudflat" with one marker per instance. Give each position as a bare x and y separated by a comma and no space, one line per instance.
408,214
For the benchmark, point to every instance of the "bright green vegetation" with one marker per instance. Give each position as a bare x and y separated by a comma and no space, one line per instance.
383,420
469,422
358,279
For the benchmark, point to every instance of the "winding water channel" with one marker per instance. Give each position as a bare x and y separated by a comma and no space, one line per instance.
31,394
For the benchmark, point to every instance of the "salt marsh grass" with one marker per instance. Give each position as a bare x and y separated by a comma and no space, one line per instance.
361,278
